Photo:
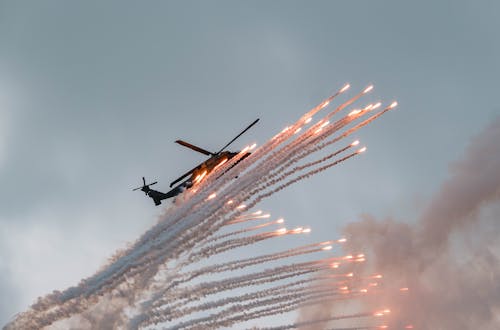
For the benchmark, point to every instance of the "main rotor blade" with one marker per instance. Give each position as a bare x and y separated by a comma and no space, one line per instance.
184,175
193,147
237,136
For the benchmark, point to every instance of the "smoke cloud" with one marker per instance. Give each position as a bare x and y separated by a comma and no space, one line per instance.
443,271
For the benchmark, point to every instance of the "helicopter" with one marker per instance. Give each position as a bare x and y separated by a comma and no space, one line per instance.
198,173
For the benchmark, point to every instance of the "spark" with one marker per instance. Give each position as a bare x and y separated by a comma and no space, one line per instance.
346,87
368,89
281,231
220,164
322,126
354,112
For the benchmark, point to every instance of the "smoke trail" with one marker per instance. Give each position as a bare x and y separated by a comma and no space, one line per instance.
150,280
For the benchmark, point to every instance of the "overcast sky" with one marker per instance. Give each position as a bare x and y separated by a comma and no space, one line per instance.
93,94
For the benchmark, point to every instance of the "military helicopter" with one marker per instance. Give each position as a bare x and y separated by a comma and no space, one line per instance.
197,174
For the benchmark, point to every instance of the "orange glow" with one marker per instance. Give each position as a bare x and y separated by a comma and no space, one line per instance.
253,146
221,163
342,240
360,260
308,120
285,129
373,284
360,255
403,289
363,291
382,327
307,230
212,195
354,112
347,257
281,231
326,248
297,130
325,123
244,151
378,104
409,326
229,202
241,206
393,105
346,87
377,276
297,230
281,220
322,126
386,311
325,104
259,212
344,288
200,177
335,265
369,88
355,143
361,150
378,314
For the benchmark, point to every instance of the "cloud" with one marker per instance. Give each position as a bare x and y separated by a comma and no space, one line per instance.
449,259
9,301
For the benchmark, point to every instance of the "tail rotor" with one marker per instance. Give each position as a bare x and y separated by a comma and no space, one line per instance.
145,187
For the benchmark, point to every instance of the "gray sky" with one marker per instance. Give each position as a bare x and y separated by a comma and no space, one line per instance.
93,94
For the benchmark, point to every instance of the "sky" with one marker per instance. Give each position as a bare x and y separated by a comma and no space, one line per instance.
93,94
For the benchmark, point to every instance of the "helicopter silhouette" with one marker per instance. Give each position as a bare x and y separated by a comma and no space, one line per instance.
197,174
